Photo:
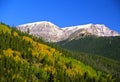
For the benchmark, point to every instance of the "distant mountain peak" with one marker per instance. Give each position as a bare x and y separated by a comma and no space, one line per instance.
53,33
37,23
46,30
97,29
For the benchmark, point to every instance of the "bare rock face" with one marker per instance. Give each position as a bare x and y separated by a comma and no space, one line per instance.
44,29
75,32
52,33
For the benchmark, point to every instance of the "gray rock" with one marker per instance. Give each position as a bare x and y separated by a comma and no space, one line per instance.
52,33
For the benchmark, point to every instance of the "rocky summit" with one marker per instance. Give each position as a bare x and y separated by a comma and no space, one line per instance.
52,33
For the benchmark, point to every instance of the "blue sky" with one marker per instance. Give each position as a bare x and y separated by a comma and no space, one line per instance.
61,12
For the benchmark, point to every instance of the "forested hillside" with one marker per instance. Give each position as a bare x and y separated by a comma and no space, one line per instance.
104,46
98,62
23,59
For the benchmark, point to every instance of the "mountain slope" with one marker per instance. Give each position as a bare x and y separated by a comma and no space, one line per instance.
53,33
98,62
104,46
23,59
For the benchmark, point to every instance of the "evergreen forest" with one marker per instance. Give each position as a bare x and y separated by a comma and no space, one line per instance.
25,58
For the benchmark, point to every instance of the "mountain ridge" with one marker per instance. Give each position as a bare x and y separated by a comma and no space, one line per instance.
47,30
52,33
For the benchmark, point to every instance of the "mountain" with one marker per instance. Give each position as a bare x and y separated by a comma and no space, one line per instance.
104,46
99,30
25,58
44,29
94,45
52,33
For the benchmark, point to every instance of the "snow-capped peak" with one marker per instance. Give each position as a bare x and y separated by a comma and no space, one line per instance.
37,23
53,33
97,29
78,26
47,30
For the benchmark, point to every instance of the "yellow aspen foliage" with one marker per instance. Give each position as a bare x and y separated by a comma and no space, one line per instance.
70,72
4,29
78,71
28,39
15,34
61,64
91,71
42,49
47,52
35,52
17,58
39,48
50,69
9,52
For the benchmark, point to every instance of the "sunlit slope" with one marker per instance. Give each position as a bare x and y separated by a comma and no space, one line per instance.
23,59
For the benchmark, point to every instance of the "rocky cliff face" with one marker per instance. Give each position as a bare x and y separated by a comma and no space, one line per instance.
52,33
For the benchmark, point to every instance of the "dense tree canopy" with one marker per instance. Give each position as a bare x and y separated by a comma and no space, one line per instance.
24,58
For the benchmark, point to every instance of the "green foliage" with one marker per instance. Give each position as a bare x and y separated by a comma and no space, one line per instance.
24,58
104,46
102,53
98,62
